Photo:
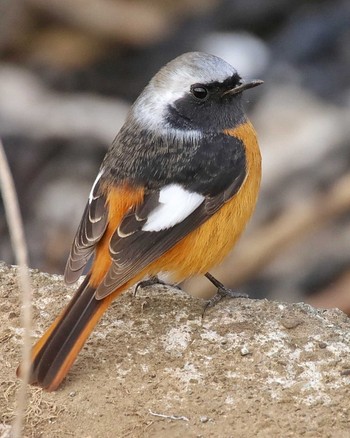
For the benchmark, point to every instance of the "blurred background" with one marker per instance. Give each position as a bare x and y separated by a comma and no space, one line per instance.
70,70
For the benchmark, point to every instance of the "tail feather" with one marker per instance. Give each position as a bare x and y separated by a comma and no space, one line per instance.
55,352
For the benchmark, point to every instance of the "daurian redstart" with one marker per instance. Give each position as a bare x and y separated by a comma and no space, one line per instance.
173,194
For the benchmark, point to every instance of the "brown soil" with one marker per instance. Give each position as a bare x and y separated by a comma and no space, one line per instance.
153,368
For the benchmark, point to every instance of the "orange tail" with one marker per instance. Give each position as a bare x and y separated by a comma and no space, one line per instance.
55,352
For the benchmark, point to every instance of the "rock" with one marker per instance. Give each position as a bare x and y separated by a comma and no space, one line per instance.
288,383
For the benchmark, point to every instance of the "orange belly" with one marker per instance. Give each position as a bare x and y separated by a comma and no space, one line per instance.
209,244
204,247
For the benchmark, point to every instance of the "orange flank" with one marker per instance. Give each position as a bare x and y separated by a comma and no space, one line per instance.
119,200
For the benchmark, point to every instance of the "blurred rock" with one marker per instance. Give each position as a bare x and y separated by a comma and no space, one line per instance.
131,23
53,192
304,142
248,54
262,15
27,106
316,39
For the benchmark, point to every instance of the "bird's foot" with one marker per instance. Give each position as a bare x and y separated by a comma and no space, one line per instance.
151,282
221,293
146,283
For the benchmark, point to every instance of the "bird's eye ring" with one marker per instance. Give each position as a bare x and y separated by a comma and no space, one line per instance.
199,92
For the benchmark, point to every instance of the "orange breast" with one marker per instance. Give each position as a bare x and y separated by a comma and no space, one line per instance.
211,242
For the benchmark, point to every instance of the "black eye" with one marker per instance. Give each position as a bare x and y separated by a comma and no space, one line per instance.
199,92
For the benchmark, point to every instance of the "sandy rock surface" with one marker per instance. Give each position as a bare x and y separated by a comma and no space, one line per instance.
154,368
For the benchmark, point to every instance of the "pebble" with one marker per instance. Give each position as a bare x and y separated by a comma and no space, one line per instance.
245,351
290,323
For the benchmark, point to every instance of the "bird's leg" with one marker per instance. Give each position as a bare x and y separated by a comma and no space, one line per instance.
221,293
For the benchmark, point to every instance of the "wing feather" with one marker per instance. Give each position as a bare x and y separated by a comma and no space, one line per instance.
91,229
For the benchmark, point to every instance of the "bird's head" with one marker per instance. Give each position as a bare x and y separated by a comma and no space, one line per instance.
196,92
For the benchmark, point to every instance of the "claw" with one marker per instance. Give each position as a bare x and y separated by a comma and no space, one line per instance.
146,283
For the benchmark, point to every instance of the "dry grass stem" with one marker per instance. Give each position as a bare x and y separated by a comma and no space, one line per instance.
15,224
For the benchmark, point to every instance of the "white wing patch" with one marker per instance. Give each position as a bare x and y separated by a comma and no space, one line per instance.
176,204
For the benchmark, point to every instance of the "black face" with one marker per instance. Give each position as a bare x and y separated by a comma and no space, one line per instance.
207,107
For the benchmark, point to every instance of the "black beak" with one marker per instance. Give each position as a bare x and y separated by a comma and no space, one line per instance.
244,86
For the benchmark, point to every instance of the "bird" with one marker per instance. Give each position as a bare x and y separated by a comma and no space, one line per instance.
172,196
